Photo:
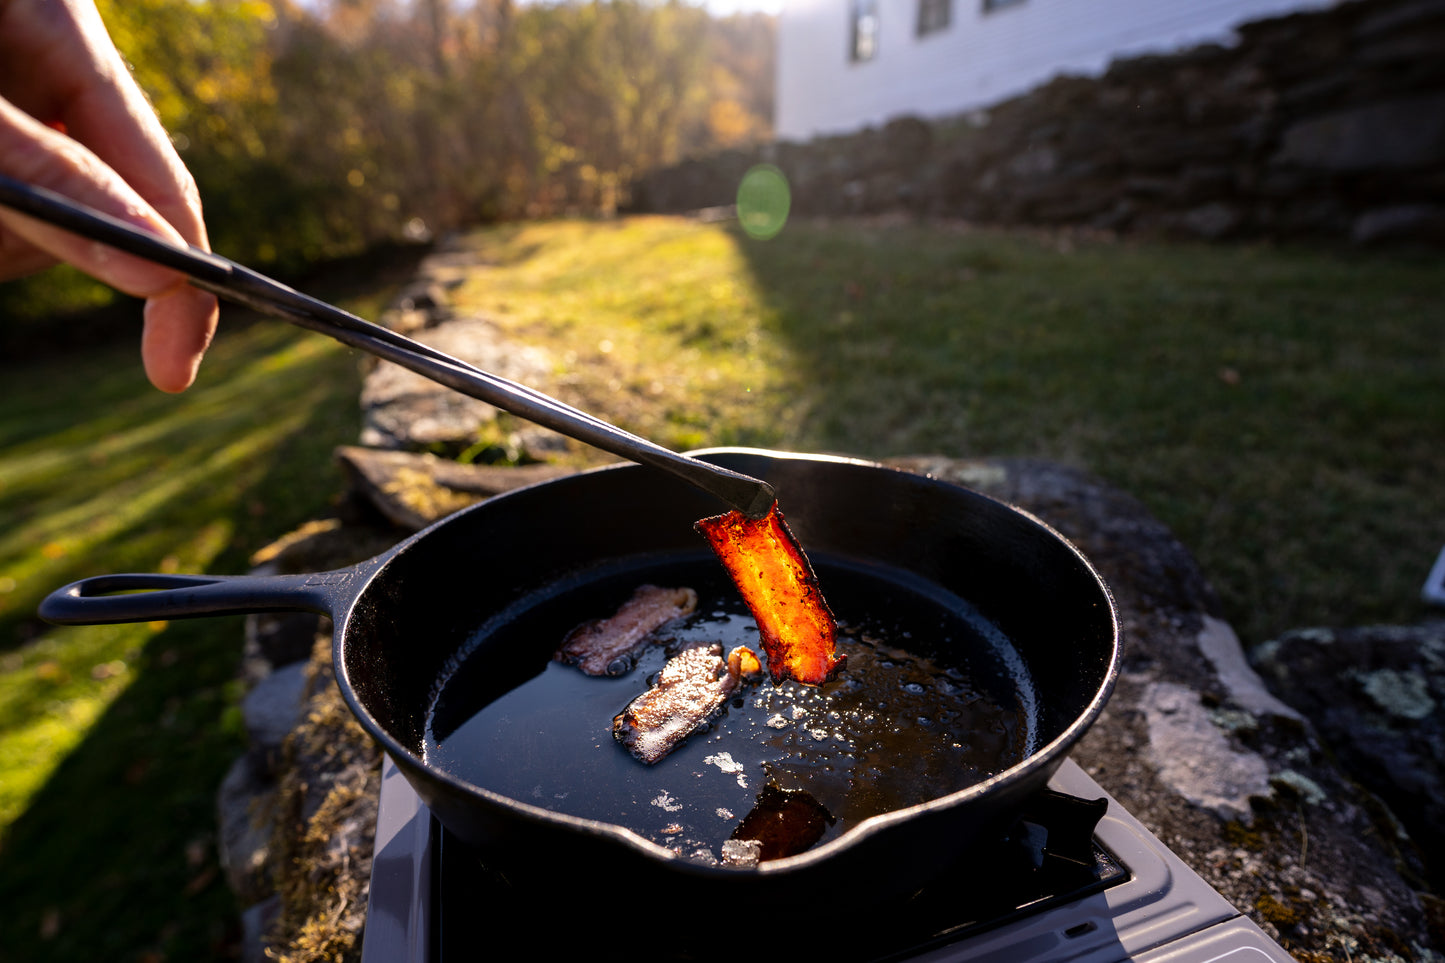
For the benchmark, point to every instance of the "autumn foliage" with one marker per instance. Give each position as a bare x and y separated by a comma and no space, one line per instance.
321,129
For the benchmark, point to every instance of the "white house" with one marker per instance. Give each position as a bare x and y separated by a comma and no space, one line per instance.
846,64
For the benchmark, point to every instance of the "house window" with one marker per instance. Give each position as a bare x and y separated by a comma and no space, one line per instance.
864,41
933,15
989,6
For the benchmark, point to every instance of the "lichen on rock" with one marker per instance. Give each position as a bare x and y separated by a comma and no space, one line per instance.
1195,758
1401,693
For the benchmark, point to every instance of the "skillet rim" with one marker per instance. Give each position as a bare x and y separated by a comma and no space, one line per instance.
1040,763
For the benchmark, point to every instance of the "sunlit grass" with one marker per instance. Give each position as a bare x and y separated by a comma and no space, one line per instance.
113,739
50,695
654,321
1280,409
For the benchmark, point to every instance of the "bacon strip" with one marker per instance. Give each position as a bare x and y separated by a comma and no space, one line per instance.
769,568
604,646
691,688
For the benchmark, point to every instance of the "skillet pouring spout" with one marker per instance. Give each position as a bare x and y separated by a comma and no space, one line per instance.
483,598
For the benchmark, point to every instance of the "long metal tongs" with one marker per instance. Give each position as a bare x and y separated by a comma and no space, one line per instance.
235,282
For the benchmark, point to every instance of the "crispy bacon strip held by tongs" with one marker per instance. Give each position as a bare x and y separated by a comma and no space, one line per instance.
798,631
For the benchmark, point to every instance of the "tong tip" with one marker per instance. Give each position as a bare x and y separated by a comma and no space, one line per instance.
763,500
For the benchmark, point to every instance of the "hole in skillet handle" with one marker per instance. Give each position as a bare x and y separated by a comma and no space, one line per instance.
158,597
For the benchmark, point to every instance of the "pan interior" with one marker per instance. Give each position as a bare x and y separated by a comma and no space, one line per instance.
933,700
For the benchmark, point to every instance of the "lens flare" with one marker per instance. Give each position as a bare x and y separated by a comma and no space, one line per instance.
763,201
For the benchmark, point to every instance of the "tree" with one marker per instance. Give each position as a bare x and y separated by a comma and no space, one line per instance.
319,129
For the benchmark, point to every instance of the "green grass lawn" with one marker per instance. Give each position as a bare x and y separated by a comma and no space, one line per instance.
1283,410
114,739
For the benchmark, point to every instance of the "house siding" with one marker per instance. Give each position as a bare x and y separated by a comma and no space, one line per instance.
980,58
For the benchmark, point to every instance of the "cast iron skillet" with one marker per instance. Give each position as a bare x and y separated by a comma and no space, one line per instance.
401,616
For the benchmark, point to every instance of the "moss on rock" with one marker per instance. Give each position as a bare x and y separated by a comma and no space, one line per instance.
325,828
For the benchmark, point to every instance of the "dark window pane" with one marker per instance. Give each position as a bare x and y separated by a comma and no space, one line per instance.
864,42
933,15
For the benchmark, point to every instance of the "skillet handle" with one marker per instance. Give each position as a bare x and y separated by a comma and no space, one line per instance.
153,598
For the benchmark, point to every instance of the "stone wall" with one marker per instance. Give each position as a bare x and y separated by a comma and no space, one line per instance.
1323,124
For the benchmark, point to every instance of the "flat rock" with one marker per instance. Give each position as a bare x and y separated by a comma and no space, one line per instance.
1196,758
1376,695
1424,223
1229,776
243,812
403,410
1213,221
273,707
413,490
276,639
1400,134
255,922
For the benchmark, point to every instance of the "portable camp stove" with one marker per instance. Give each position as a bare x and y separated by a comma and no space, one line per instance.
1077,878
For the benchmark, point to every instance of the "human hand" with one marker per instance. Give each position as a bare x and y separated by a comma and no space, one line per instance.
73,120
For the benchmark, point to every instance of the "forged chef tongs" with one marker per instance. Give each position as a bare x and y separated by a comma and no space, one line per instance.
238,283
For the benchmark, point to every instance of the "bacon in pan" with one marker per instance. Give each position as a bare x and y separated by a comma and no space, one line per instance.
605,646
690,689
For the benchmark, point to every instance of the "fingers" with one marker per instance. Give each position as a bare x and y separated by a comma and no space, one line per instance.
19,258
35,154
179,325
59,65
180,320
107,111
107,150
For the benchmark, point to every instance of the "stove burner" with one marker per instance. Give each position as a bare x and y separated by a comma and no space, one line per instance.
1036,864
1074,878
1048,858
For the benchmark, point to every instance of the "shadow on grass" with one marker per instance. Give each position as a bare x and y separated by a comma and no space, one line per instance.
113,856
